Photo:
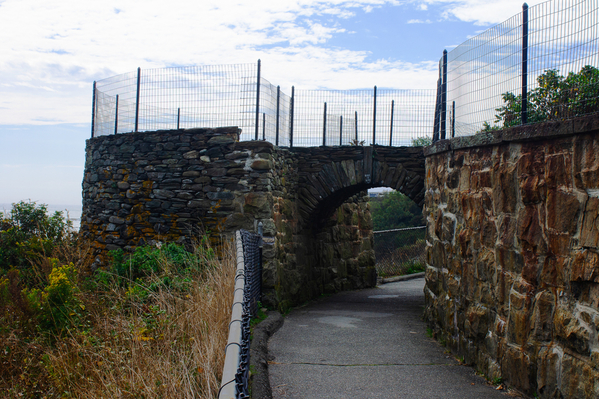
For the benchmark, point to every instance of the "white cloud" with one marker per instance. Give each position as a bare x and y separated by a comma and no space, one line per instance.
56,49
419,21
481,12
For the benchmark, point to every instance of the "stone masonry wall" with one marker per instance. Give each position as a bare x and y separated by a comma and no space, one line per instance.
142,188
512,280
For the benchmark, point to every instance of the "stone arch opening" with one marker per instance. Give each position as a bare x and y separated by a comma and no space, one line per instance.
334,236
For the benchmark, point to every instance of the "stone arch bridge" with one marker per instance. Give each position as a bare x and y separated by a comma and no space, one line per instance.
139,188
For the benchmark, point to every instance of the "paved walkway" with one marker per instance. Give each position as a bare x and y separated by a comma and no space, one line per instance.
367,344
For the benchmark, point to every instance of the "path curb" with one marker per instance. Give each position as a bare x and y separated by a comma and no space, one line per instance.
259,355
402,278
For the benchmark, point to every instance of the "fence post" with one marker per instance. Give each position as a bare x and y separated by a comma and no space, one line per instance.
263,126
93,109
178,117
524,111
291,105
260,261
391,124
436,124
257,102
341,130
324,125
116,115
137,99
277,125
374,119
444,97
356,120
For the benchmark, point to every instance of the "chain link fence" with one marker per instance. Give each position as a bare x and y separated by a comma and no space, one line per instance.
538,65
400,251
248,289
229,95
390,117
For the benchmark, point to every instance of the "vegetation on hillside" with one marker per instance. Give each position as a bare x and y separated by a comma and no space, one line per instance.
397,252
152,324
394,210
556,97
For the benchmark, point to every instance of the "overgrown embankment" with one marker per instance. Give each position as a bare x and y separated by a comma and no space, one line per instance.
153,324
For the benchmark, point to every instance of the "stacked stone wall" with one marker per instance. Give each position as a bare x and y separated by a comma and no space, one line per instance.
144,188
512,279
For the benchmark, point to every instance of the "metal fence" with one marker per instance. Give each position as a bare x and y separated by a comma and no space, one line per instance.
229,95
248,288
400,251
530,68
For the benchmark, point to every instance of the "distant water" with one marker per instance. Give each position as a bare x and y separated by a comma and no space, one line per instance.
72,211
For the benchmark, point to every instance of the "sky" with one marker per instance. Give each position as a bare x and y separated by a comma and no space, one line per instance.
53,50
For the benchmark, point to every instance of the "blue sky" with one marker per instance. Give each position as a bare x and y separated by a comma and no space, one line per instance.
52,51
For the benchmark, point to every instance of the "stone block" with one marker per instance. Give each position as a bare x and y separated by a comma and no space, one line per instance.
477,321
585,266
569,329
578,379
558,171
562,211
258,204
516,369
530,230
505,189
261,164
542,317
589,234
163,194
191,155
221,140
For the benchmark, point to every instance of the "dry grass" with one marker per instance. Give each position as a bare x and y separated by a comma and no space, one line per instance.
170,345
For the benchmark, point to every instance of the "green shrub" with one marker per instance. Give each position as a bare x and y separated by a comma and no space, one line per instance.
556,97
149,269
56,307
27,235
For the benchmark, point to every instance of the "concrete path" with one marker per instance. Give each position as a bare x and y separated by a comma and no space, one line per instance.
367,344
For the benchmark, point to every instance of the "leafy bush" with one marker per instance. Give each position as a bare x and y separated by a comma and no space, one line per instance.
28,234
556,97
56,307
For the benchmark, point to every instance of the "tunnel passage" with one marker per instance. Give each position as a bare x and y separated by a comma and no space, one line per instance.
332,246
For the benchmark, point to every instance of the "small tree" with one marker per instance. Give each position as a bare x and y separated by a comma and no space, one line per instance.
556,97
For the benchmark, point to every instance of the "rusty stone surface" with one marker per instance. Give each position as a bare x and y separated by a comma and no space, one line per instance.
515,287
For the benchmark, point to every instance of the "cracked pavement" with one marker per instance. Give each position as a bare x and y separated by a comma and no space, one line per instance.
367,344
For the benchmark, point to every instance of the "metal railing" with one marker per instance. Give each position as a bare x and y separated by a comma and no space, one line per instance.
230,95
400,251
528,69
248,288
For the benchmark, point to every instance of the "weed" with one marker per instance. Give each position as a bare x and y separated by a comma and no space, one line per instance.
429,332
260,316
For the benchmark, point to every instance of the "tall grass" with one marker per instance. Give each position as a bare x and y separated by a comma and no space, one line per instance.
160,334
